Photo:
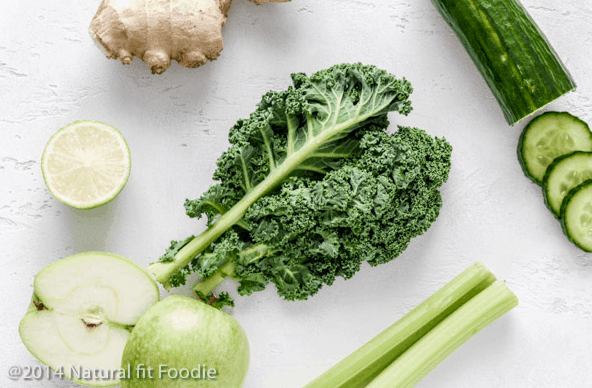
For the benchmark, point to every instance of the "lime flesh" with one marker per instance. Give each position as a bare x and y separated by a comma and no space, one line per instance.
86,164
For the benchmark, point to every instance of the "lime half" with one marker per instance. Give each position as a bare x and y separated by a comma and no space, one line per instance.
86,164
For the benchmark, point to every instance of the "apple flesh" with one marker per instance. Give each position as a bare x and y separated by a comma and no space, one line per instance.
81,314
182,342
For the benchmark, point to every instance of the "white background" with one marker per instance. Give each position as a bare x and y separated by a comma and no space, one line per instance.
176,125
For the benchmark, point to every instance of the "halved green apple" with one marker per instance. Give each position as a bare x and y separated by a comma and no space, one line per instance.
82,312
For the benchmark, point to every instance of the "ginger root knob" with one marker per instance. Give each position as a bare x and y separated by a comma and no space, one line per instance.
159,31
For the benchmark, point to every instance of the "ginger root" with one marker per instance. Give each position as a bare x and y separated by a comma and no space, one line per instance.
158,31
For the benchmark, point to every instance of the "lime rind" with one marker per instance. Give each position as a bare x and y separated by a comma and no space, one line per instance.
62,189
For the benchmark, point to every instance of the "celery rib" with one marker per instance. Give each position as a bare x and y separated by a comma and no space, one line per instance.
371,359
446,337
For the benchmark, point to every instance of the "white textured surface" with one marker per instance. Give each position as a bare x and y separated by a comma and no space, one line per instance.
176,125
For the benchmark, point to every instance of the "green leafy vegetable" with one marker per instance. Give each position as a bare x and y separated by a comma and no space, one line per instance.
312,186
409,349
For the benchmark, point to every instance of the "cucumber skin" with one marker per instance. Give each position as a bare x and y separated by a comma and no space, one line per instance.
532,74
546,178
564,205
519,149
521,139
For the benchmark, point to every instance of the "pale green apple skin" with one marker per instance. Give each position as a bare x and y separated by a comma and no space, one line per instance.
182,334
109,259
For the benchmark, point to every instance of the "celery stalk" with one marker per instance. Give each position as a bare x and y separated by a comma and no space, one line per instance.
408,369
372,358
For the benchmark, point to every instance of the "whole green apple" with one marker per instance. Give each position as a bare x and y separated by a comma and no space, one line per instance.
182,342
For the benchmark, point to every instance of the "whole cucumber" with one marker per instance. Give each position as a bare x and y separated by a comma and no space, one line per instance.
521,68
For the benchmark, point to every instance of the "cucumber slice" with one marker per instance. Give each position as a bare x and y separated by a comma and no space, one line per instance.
548,136
576,214
565,173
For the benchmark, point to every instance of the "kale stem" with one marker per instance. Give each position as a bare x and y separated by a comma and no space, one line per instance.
164,270
206,286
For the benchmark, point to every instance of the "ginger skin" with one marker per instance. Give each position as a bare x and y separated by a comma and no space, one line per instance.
158,31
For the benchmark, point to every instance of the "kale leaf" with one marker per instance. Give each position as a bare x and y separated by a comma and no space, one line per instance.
312,186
